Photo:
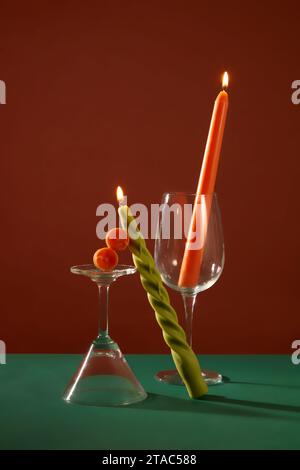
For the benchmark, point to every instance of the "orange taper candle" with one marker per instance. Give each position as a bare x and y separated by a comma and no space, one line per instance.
192,259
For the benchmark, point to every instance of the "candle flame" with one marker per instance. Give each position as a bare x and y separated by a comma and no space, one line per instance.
120,194
225,80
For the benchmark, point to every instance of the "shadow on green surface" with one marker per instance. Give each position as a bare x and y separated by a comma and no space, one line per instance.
228,380
252,404
213,404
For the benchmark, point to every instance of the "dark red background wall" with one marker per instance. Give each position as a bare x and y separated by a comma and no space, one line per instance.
101,93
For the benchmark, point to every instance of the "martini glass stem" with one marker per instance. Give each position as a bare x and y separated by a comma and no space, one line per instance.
103,338
103,310
189,302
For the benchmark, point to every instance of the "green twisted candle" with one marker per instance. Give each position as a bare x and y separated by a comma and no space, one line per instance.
184,358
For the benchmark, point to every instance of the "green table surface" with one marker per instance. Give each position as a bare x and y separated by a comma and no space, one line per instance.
259,408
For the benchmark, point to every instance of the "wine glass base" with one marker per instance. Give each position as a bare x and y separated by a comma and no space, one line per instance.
172,377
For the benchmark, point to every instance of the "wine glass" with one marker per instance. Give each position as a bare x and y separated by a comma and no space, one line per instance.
104,377
186,270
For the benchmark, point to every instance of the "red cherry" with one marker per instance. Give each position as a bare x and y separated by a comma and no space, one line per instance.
105,259
117,239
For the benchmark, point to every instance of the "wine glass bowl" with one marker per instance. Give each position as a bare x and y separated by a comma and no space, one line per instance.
169,250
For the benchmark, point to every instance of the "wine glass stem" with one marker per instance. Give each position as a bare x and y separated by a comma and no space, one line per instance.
189,304
103,311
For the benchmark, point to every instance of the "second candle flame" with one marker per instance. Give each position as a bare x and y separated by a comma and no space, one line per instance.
120,194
